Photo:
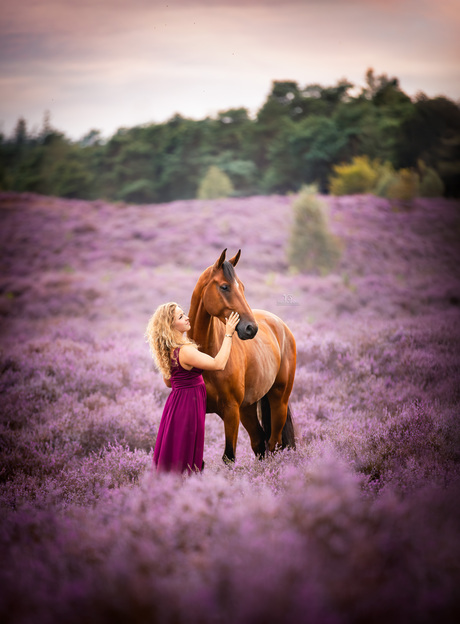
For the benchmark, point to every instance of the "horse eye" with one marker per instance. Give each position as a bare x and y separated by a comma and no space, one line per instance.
224,287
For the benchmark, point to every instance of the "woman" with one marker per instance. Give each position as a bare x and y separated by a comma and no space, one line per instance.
180,440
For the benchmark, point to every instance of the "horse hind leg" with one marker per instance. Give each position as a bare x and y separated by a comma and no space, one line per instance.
281,425
250,421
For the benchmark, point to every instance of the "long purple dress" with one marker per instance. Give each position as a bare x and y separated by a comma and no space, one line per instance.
180,441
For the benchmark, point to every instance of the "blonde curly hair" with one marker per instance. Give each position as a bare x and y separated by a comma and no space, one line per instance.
162,338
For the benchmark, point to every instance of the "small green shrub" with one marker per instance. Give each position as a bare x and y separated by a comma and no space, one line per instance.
386,178
215,184
405,187
431,184
359,176
365,176
312,247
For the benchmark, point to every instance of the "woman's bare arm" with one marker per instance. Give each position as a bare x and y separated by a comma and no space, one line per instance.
190,356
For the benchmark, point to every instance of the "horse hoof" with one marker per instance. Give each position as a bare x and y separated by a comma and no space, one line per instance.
228,462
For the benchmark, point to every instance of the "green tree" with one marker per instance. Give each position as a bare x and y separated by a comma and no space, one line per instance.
137,192
299,135
312,247
20,132
432,134
62,168
215,184
359,176
302,153
383,91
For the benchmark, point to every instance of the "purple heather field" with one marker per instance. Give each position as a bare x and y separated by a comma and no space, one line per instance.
359,525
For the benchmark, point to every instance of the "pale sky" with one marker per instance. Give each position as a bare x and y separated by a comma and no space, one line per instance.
106,64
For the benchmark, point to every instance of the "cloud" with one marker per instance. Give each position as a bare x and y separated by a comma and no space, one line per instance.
97,61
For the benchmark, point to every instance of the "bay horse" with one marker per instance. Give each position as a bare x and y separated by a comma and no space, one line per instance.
260,370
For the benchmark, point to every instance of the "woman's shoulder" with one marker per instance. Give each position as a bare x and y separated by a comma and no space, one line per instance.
187,347
184,351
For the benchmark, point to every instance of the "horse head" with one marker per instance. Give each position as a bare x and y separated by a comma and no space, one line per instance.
223,293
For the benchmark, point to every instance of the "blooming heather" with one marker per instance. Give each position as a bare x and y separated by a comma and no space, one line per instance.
358,525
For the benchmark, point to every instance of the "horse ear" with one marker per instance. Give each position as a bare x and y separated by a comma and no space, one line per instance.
235,258
220,262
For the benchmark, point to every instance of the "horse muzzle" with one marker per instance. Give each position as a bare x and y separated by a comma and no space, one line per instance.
246,331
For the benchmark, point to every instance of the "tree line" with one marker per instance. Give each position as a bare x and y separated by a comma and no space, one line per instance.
297,137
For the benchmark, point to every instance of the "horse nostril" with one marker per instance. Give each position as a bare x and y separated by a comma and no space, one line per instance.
251,330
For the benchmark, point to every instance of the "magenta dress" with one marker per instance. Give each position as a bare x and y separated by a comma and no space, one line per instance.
180,440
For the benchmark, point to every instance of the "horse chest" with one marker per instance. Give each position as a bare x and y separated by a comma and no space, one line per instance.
222,391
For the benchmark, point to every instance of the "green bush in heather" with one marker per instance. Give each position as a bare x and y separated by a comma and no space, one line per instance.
215,184
312,247
364,176
359,176
387,177
431,184
405,187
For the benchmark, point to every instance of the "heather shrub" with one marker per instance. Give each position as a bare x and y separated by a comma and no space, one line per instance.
359,176
417,446
226,547
312,247
358,524
215,184
71,479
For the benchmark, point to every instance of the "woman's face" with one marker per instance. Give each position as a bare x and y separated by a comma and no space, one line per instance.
181,322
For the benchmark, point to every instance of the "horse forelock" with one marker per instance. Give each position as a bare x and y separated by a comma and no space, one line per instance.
229,271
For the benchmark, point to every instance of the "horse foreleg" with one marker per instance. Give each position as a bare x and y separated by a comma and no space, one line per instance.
251,423
231,425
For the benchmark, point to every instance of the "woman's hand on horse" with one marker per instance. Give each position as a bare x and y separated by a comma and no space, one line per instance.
231,322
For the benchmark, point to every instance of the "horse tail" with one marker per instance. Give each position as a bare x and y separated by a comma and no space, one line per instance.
266,417
288,432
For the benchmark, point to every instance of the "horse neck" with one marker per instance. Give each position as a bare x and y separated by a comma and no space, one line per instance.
204,327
